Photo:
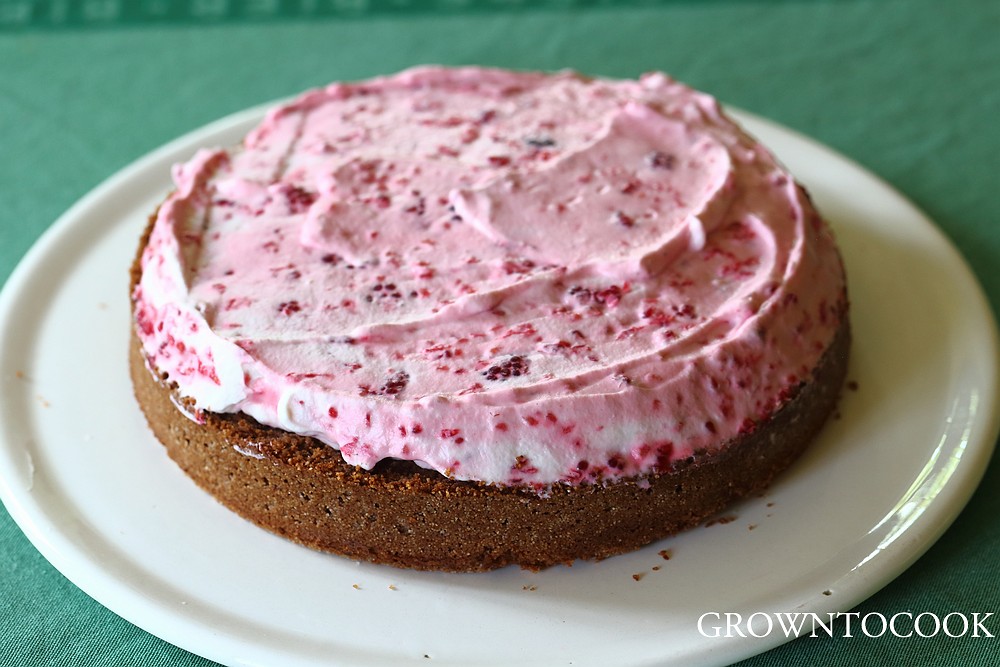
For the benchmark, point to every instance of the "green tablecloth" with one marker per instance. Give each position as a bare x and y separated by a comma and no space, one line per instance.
910,89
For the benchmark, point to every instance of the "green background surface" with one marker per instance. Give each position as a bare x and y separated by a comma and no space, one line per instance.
909,89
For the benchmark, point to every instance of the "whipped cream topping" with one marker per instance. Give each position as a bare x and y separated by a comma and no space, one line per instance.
516,278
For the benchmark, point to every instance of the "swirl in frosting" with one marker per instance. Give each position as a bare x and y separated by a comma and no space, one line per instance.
515,278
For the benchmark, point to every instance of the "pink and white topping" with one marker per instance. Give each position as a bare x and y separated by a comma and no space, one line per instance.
517,278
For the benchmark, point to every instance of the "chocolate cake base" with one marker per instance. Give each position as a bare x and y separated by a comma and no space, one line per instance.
399,514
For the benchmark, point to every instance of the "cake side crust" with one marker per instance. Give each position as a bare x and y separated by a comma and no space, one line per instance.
400,515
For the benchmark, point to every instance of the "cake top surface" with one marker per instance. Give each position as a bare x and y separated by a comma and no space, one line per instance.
516,278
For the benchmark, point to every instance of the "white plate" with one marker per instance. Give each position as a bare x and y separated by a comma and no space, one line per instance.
95,493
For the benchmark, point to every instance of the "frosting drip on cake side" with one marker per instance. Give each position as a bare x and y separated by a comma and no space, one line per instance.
520,279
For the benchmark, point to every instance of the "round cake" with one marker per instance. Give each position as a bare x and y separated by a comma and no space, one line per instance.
456,319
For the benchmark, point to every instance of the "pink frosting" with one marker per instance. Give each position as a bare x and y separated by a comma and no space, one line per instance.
517,278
